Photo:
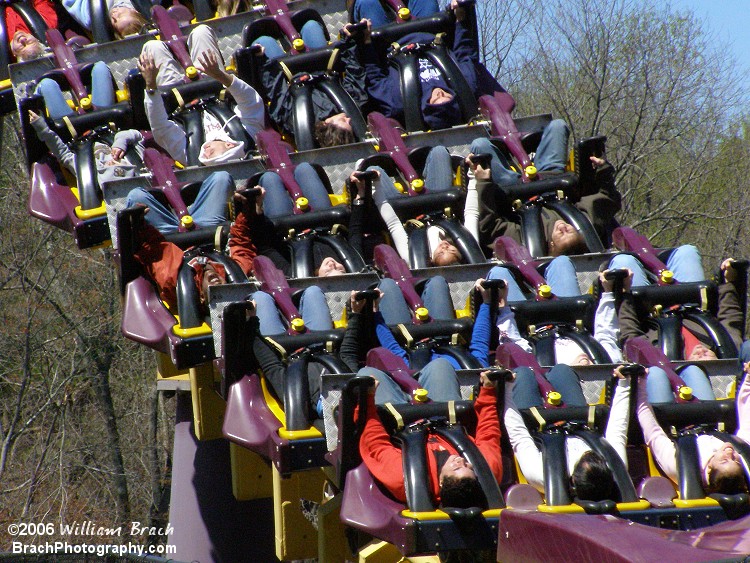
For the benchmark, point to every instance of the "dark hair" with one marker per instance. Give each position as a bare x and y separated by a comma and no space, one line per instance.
463,492
330,135
726,484
592,479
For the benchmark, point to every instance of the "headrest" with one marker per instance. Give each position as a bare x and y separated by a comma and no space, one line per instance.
432,329
408,413
412,206
567,414
463,517
312,61
383,36
119,114
292,342
562,310
313,219
704,293
598,507
681,415
735,506
200,89
566,182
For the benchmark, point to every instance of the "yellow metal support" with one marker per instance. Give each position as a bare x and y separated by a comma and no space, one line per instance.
165,369
296,538
251,475
208,406
381,552
332,544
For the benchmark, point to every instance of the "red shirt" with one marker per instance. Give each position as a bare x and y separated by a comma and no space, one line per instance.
384,460
14,22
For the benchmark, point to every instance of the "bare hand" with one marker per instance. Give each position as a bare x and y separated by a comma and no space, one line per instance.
459,11
730,274
597,162
617,373
357,304
148,69
485,381
209,62
480,172
485,293
607,285
117,154
33,116
376,301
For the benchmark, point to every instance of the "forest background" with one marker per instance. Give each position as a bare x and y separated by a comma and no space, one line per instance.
84,436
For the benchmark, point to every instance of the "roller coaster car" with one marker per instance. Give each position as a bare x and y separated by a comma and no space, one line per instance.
185,104
694,305
570,317
406,59
38,28
686,422
530,201
182,335
78,206
283,25
416,527
288,435
310,75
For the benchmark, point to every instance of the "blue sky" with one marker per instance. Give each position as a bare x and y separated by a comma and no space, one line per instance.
729,20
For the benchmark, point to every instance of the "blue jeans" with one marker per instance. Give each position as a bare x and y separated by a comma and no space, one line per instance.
551,154
438,377
560,275
565,381
436,296
312,34
685,262
313,307
102,92
437,174
278,202
208,210
373,10
659,389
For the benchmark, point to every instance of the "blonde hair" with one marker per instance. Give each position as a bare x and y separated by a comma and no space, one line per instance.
230,7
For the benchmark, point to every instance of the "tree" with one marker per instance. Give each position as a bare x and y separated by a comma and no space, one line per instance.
659,87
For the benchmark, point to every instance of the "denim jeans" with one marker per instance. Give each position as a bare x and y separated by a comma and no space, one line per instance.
551,154
313,308
659,389
436,296
373,10
208,210
560,275
564,380
278,202
685,262
312,34
102,92
438,377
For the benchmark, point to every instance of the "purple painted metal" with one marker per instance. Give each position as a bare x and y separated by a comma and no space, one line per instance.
248,421
387,361
393,266
525,537
510,355
509,250
208,523
66,61
629,240
497,108
365,507
144,317
172,36
166,181
641,351
50,201
391,143
275,153
273,281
